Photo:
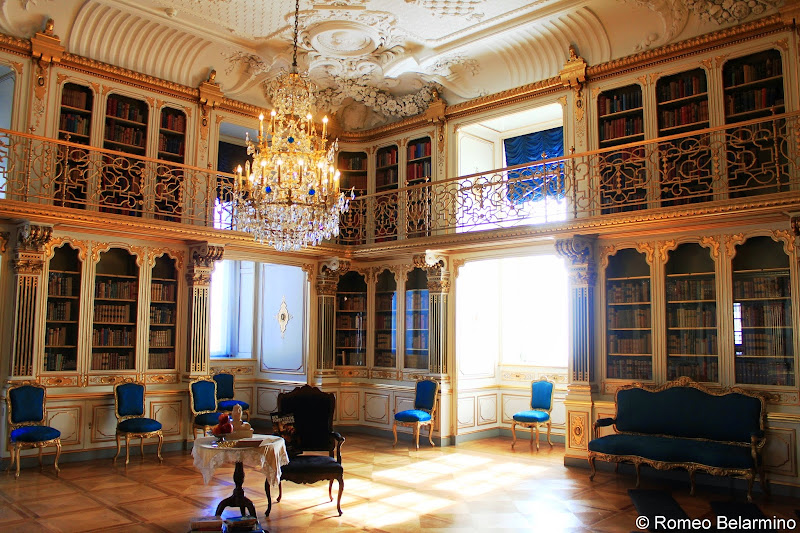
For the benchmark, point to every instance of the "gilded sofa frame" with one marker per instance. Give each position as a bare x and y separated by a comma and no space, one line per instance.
16,447
133,435
756,443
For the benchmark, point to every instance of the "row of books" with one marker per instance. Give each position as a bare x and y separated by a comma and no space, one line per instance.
681,88
386,158
384,341
161,360
173,145
770,314
639,344
118,108
111,361
702,316
385,322
747,73
628,291
59,361
126,135
415,361
125,290
767,344
691,342
697,368
386,176
112,313
418,170
351,339
60,310
687,114
113,337
61,284
352,162
174,122
352,302
162,292
631,99
629,368
418,150
162,338
75,98
162,315
416,320
55,336
621,127
691,289
753,100
74,123
637,317
779,372
417,340
762,287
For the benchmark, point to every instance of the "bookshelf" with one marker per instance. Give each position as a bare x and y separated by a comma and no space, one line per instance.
62,313
416,320
353,169
418,170
74,125
692,347
386,320
126,131
115,312
682,106
351,320
623,178
762,314
629,332
386,180
163,315
171,147
753,88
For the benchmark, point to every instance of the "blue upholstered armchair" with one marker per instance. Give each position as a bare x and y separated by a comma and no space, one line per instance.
203,402
423,412
26,416
225,402
131,422
541,405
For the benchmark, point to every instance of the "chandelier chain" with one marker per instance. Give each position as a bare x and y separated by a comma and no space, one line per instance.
294,40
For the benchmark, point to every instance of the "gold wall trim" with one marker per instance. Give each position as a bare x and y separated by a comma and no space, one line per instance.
14,45
151,393
783,417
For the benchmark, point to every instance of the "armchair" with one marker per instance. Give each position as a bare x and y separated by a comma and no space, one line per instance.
423,412
541,405
203,403
225,387
26,416
313,419
131,422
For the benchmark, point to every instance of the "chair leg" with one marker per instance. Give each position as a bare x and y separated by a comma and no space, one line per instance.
537,437
394,432
118,449
41,464
141,446
549,426
269,497
17,454
416,436
430,433
160,442
58,454
513,433
330,489
339,499
280,491
127,449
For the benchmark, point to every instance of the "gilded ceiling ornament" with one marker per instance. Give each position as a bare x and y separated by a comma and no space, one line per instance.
451,8
283,317
730,11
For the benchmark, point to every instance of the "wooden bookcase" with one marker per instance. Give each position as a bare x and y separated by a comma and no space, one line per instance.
386,180
351,320
754,88
62,312
762,314
169,179
692,347
629,327
116,298
623,176
163,315
74,125
75,116
416,320
419,169
353,169
126,131
386,320
686,163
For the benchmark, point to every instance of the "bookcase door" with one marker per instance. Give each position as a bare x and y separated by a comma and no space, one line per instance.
386,320
163,315
386,182
116,298
351,320
122,180
419,170
73,164
63,311
352,224
169,179
416,321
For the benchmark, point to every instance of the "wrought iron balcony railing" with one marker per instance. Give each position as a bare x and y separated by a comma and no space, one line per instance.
727,165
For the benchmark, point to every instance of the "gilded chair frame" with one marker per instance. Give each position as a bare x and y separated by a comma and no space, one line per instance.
204,428
16,447
535,425
419,424
133,435
245,412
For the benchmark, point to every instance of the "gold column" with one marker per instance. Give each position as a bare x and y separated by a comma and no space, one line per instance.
438,290
198,278
327,280
28,264
578,253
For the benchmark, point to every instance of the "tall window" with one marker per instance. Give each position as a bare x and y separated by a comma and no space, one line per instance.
232,305
518,310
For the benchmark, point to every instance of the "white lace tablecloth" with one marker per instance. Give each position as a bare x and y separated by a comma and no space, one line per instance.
269,457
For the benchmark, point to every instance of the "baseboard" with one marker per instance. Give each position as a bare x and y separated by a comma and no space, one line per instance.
68,456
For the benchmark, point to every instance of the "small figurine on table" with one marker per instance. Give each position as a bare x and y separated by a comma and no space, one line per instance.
241,429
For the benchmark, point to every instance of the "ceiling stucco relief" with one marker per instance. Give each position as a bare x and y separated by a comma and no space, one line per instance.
674,15
452,8
730,11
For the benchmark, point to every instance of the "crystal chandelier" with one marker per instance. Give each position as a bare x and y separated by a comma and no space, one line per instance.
289,197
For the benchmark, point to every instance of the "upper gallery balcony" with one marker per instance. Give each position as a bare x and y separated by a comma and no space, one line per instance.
750,167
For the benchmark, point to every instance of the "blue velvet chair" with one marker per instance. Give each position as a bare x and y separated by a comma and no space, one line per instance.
225,402
423,412
131,422
26,417
541,405
203,403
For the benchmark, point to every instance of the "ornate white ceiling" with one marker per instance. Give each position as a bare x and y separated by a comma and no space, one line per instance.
374,60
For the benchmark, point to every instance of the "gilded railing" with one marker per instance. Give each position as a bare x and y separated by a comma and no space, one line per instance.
727,164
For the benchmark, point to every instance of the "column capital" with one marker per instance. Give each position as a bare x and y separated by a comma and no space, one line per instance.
201,262
29,250
437,268
579,254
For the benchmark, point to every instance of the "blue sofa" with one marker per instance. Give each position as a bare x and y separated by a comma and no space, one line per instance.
683,424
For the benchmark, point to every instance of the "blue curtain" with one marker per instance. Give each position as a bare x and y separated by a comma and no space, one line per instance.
544,181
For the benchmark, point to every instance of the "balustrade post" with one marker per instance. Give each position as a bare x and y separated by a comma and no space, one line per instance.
198,278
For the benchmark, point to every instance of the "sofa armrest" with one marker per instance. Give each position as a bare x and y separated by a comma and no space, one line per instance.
601,423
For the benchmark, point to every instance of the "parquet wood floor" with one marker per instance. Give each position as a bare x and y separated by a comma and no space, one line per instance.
481,485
